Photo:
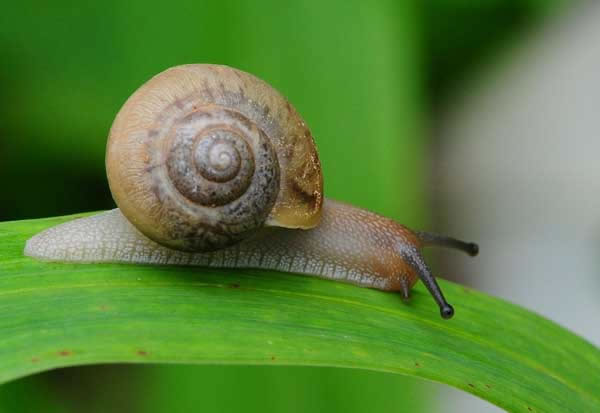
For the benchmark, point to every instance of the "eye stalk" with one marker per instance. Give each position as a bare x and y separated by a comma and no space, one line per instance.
430,239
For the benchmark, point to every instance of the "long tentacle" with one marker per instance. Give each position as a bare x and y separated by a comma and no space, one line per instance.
429,239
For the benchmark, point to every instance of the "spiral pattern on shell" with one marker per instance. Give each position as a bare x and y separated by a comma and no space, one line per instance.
201,156
221,167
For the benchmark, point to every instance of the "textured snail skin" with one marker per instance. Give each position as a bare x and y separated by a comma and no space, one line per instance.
350,244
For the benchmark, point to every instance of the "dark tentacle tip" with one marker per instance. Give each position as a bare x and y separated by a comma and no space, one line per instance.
447,311
473,249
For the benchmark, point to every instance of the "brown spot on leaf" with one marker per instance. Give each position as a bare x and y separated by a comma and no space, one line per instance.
65,353
417,364
234,285
103,307
142,353
273,358
488,386
529,408
472,385
35,359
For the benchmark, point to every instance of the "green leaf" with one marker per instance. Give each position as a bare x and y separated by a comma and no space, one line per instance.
56,315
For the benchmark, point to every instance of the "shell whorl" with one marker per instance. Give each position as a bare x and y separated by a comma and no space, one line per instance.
201,156
218,176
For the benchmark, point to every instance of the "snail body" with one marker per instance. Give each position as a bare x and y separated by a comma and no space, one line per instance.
211,166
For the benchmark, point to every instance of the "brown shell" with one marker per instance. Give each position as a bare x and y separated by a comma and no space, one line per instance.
151,138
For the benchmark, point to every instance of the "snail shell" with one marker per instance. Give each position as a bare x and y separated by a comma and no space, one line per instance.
201,156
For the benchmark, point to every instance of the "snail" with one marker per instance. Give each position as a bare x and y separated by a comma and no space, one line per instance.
211,166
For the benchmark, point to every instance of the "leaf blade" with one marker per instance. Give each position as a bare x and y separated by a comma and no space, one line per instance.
59,315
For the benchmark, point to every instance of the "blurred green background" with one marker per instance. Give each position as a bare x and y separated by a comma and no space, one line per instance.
366,76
